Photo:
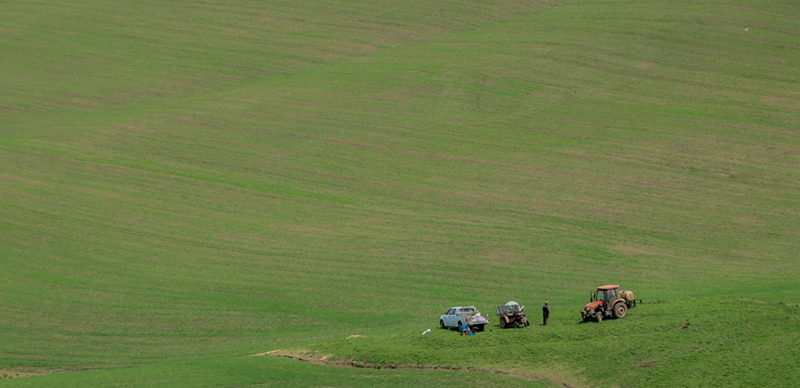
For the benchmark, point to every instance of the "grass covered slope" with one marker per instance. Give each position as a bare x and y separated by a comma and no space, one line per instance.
185,181
688,342
269,371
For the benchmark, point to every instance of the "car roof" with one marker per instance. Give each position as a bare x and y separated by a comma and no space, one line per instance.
462,307
608,287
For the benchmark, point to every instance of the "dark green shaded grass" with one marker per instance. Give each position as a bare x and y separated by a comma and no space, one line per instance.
219,180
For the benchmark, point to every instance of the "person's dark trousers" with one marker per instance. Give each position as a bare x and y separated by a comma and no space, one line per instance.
544,320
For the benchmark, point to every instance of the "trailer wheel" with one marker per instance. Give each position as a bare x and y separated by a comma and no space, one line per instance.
620,310
502,323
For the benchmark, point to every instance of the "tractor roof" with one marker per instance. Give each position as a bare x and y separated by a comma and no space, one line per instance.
608,287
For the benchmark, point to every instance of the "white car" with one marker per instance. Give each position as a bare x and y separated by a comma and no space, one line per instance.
457,316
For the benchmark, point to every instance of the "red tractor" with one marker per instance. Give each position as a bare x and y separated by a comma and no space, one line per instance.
608,302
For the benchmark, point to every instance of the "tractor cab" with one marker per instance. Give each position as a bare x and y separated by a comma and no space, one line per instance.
606,293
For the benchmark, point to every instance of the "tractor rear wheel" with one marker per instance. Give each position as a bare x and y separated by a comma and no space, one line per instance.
620,310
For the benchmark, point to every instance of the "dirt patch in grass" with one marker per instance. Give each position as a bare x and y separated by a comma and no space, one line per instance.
643,364
20,373
325,359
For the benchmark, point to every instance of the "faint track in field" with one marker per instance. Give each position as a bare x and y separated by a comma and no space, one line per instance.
359,365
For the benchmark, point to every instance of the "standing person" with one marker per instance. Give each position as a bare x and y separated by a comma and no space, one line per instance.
545,313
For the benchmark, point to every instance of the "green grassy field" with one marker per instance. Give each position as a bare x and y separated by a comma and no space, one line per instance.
186,184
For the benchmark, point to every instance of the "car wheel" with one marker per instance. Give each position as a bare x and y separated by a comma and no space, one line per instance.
441,324
479,327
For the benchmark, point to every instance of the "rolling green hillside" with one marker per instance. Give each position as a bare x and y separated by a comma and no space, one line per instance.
186,184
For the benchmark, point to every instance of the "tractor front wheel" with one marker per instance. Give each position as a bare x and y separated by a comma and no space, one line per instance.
620,310
599,317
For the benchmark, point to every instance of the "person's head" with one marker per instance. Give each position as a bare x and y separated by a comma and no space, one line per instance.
545,303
